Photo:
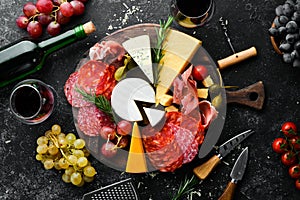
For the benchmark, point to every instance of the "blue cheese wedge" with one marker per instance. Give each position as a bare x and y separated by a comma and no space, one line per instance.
140,50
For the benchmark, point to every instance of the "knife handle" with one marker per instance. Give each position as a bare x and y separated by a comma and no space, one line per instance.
202,171
228,192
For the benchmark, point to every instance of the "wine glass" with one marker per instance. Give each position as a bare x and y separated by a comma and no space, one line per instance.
192,13
32,101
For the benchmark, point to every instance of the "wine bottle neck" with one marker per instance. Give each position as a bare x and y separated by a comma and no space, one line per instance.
62,40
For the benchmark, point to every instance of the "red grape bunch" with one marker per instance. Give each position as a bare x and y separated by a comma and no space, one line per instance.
48,13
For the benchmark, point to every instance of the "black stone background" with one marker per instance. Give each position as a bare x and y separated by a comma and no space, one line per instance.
22,177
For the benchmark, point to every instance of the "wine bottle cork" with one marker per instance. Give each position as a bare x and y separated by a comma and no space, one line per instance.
237,57
89,28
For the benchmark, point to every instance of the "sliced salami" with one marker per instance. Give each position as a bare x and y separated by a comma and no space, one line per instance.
73,97
177,143
91,120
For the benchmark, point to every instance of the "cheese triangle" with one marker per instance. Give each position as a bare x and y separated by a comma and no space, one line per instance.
136,162
178,53
140,50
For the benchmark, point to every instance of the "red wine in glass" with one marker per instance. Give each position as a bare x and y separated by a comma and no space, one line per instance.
192,13
32,101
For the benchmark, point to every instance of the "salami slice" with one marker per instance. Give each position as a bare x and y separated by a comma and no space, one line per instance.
91,120
73,97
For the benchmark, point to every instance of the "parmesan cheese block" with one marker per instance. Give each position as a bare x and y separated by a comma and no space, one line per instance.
136,162
171,109
179,49
166,100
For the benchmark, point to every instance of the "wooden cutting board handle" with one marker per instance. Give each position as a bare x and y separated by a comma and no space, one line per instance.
237,57
253,96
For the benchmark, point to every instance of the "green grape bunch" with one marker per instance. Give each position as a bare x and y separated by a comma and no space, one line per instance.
65,152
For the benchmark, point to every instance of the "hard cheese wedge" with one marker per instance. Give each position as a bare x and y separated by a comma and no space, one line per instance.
178,52
136,162
140,50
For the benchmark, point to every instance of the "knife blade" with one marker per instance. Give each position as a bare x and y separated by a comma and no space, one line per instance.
202,171
236,175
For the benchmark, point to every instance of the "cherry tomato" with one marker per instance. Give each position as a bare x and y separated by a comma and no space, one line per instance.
288,158
289,129
199,72
297,184
279,145
295,142
294,171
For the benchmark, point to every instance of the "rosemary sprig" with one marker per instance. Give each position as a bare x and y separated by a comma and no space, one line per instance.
185,187
99,100
158,50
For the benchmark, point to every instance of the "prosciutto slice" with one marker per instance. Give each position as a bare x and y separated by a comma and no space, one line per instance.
107,51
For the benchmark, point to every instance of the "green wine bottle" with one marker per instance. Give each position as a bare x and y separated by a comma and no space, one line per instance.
19,59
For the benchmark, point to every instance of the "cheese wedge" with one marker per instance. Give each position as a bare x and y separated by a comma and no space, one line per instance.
136,162
179,49
171,109
140,50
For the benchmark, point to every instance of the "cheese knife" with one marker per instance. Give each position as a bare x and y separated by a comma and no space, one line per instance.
236,175
206,168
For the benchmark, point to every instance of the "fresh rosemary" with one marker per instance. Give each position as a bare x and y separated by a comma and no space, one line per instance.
185,187
158,50
99,100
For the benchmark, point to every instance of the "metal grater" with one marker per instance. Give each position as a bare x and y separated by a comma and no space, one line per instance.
123,190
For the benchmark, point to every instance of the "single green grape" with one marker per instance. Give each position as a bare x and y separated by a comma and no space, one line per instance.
76,178
56,129
89,171
52,149
82,162
62,142
56,165
70,137
48,164
61,135
42,149
69,171
78,153
63,163
66,178
79,143
39,157
81,183
72,159
42,140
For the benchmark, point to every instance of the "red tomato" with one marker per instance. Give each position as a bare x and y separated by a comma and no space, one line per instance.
295,142
288,158
297,184
199,72
279,145
294,171
289,129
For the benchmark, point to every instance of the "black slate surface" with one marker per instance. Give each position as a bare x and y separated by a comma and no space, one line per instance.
22,177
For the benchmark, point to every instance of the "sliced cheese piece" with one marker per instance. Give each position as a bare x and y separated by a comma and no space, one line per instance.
179,49
202,93
136,162
140,50
166,100
207,82
171,109
154,115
